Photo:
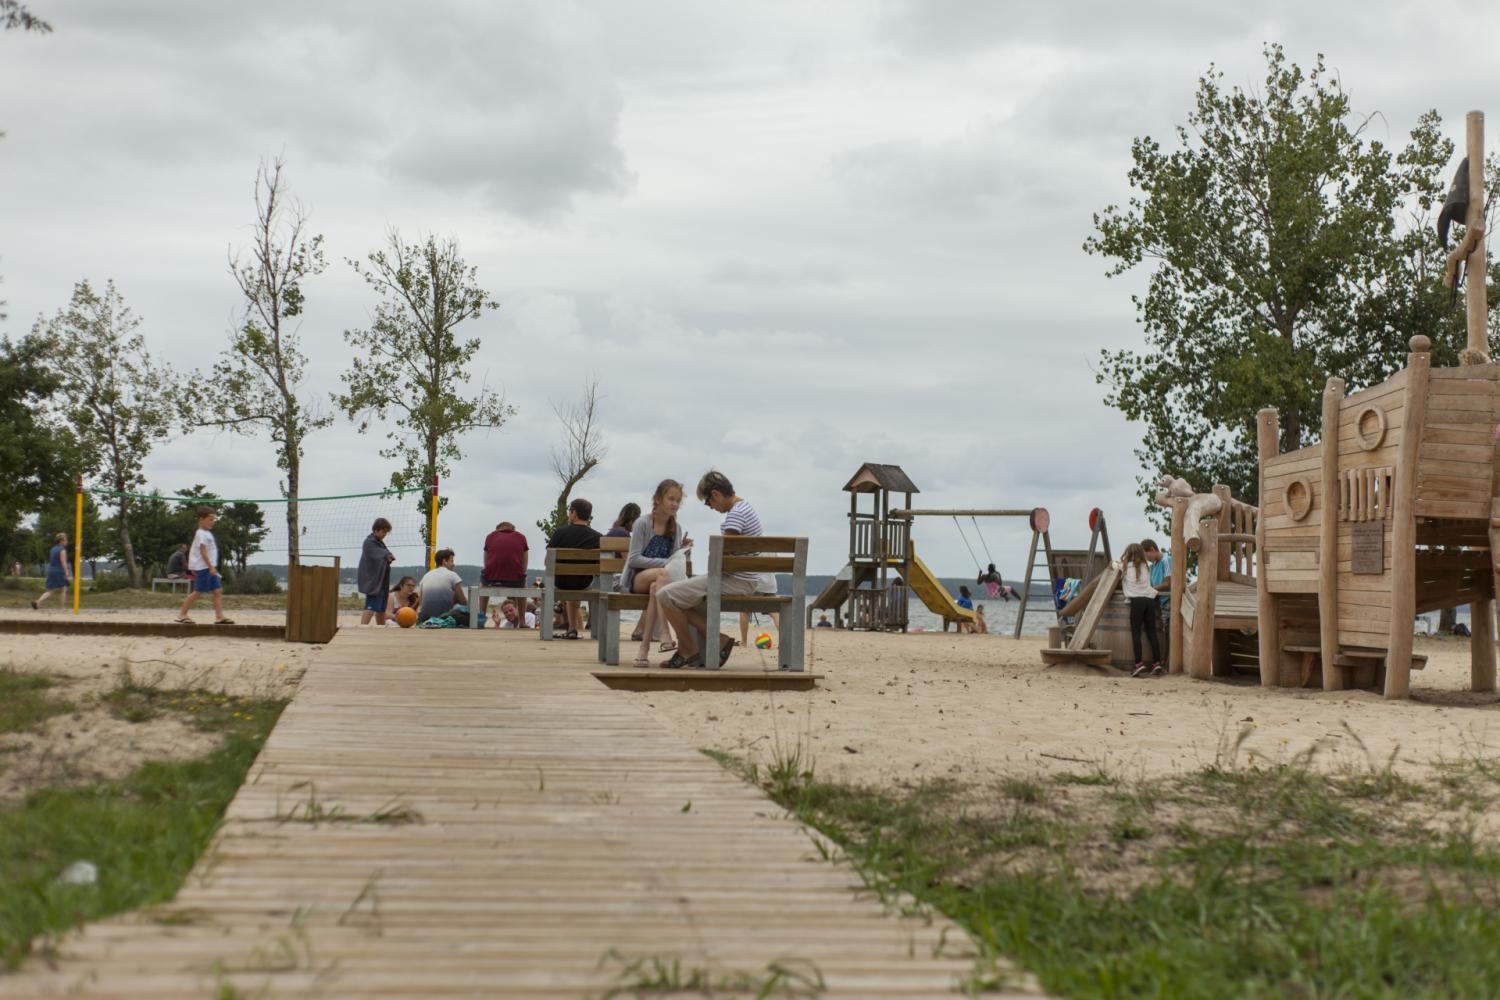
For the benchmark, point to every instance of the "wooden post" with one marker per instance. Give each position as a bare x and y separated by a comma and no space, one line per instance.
1486,681
1404,523
1268,612
1328,539
1201,665
1475,301
1026,584
1179,586
1226,526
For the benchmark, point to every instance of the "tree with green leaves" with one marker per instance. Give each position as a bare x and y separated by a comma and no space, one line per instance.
118,400
156,529
38,457
410,362
1287,245
241,529
257,385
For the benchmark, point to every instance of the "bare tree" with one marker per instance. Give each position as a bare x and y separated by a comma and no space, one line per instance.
257,382
581,450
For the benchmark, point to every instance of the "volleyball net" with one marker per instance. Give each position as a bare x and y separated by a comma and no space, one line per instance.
257,532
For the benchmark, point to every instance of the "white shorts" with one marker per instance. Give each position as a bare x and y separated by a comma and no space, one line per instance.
692,592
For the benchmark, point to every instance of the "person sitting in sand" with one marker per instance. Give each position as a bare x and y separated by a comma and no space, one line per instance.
823,622
653,542
511,618
402,595
965,601
441,589
683,602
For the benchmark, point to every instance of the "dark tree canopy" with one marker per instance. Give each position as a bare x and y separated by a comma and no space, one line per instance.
38,458
1287,245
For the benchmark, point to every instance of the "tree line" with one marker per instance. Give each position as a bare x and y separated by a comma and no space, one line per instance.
85,397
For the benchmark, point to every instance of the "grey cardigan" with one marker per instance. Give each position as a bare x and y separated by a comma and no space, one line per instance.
640,535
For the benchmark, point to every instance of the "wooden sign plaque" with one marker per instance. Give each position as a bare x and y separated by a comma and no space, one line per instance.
1368,556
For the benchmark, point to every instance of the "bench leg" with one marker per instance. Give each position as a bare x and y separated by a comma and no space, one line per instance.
549,598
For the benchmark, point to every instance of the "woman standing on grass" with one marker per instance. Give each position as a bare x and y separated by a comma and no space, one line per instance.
1135,581
59,575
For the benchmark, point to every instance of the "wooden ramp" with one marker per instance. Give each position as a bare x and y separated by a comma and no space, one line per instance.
559,826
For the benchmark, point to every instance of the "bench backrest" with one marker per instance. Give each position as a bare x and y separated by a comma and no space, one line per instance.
607,559
773,554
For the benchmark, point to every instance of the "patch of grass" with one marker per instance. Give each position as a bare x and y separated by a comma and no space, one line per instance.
666,975
1233,881
205,710
25,703
1098,776
144,832
1023,790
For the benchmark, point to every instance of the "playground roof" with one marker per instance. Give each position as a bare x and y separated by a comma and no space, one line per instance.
872,476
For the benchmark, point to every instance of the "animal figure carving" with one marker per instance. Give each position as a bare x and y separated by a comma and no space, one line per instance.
1199,506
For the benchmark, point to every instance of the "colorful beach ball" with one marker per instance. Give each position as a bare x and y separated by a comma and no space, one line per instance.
763,641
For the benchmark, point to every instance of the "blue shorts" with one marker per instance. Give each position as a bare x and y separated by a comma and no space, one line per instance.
376,603
204,582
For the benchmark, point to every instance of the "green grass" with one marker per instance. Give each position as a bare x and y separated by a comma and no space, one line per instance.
1243,882
25,701
144,832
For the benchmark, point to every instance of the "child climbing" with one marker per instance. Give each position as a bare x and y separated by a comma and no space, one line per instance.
1135,581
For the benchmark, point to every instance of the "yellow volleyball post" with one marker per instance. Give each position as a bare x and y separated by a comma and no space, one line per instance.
432,531
77,543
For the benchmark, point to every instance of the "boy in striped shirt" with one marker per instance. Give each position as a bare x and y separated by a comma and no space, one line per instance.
682,602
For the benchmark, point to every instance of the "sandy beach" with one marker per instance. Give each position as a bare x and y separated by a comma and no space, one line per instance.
895,708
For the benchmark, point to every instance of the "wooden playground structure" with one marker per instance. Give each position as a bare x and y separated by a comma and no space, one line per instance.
1395,512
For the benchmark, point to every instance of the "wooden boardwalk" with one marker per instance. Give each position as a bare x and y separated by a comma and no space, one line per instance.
559,826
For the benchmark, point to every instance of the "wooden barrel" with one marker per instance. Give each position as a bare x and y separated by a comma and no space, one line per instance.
1113,633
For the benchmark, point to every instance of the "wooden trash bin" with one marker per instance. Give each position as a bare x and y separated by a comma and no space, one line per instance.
312,603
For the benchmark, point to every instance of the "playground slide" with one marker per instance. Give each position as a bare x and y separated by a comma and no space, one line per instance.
934,594
836,594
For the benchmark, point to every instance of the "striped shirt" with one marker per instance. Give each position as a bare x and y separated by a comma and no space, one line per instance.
742,520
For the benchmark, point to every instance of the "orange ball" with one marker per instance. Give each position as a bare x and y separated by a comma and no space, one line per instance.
406,617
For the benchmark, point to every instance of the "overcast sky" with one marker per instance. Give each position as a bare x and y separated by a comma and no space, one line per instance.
788,237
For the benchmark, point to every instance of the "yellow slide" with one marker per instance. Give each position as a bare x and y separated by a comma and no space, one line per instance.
934,594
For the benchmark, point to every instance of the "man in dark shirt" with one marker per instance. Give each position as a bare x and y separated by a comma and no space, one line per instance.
576,534
177,564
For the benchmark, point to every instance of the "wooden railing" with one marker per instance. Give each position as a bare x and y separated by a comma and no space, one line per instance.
862,536
1226,553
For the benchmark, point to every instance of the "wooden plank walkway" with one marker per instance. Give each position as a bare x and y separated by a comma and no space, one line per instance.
558,824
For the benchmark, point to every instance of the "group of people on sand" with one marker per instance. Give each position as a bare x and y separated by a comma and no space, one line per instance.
654,566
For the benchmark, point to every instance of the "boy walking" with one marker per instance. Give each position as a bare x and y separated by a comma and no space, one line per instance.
203,561
375,572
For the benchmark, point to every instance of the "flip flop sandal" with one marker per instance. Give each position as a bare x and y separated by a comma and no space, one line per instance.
642,661
35,606
224,621
667,646
570,634
184,621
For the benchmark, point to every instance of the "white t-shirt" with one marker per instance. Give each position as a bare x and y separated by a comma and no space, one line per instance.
203,537
530,622
436,589
1136,581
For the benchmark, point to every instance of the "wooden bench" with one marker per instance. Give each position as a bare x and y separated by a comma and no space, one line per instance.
172,582
776,554
1347,657
601,564
615,602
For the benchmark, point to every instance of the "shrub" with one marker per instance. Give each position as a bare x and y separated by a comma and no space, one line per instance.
12,583
106,582
252,581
